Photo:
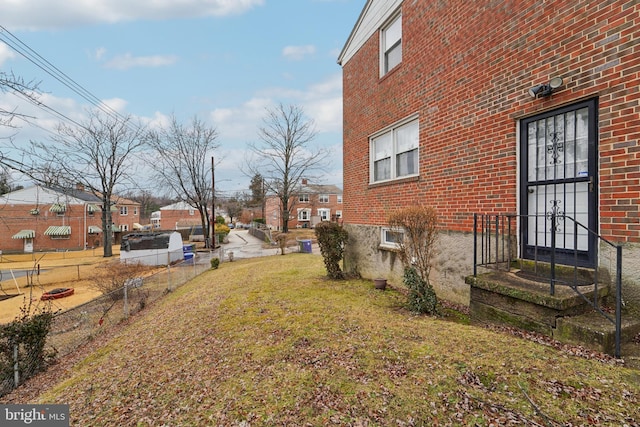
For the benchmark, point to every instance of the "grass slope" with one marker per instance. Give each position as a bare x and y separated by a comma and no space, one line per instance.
270,341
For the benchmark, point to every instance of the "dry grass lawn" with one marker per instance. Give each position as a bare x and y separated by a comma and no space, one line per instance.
271,342
57,269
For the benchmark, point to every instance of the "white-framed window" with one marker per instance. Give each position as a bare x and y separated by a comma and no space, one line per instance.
192,212
124,227
391,238
324,214
391,44
323,198
124,210
303,198
338,214
394,151
304,214
339,198
135,210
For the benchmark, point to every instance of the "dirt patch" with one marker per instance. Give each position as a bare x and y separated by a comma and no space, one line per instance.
27,276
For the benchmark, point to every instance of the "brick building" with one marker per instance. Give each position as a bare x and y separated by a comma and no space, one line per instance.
507,107
176,216
310,204
42,218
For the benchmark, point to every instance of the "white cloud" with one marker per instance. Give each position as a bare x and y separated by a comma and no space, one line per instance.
126,61
5,53
297,53
116,104
99,53
38,14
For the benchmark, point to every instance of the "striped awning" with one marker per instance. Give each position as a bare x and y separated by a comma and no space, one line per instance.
58,208
24,234
58,230
93,208
94,229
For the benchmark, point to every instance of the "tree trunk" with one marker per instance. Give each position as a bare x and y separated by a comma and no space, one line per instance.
106,228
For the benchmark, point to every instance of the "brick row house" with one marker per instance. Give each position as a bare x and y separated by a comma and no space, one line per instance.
176,216
42,218
525,108
310,204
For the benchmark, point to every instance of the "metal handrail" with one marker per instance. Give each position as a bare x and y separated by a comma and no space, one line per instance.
493,244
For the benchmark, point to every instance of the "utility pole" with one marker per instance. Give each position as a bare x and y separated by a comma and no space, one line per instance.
264,201
212,222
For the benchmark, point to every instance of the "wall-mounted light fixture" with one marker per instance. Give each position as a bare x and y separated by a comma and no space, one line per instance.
546,89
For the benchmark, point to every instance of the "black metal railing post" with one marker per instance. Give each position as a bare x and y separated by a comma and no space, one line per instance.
618,299
553,254
475,245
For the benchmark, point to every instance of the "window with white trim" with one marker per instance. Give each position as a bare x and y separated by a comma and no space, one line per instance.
338,214
303,198
124,227
391,45
339,198
323,198
135,210
124,210
304,214
391,238
324,214
394,152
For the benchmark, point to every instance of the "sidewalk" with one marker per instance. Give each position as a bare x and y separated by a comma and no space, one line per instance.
244,245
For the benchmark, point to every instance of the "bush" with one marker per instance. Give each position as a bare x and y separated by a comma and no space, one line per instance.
215,263
331,239
221,229
419,225
421,298
29,333
111,278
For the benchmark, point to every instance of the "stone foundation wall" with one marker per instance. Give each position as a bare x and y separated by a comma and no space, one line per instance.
453,261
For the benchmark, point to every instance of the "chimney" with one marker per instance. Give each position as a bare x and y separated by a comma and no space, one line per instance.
304,181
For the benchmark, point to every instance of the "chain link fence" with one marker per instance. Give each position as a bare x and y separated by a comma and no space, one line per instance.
74,327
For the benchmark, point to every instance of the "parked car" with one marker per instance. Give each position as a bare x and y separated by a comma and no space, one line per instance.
231,226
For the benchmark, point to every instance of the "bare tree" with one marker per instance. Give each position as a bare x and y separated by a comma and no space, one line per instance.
10,83
285,155
97,155
183,163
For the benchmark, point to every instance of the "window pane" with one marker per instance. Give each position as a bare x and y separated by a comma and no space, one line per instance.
393,33
393,57
382,146
382,170
407,163
407,137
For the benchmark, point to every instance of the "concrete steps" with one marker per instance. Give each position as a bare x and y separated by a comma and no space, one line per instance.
514,299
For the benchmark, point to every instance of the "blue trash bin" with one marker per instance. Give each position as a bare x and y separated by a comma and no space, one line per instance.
305,246
188,257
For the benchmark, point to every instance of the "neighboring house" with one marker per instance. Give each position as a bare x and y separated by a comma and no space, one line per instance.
125,215
179,216
310,204
176,216
43,218
523,107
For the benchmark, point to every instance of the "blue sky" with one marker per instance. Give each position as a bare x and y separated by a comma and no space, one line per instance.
224,61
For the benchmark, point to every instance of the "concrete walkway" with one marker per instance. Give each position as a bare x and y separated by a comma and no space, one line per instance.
244,245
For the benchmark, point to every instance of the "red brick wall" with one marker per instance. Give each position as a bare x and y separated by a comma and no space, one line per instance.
14,218
466,69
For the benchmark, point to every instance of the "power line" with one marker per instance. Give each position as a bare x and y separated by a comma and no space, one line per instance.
31,55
